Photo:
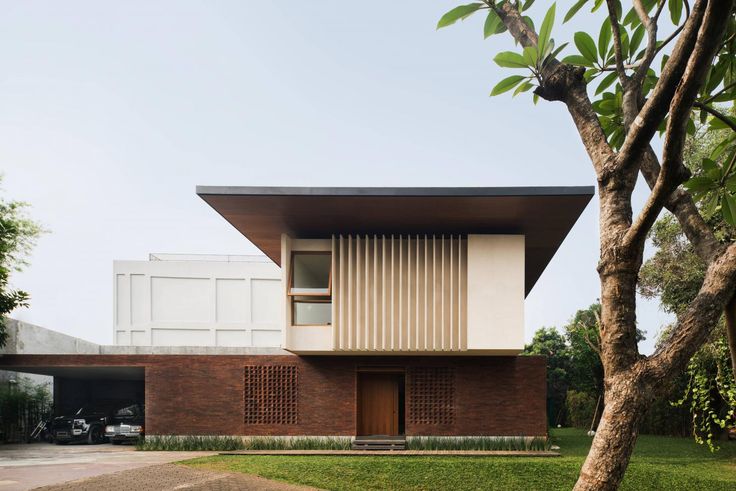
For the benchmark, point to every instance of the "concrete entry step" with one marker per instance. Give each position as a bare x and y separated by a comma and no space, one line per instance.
378,443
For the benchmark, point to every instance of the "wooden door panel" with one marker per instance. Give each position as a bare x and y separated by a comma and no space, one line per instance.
378,404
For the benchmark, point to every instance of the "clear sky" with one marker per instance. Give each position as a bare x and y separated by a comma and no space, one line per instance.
112,112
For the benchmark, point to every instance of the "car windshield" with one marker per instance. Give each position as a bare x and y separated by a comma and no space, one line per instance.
127,411
106,407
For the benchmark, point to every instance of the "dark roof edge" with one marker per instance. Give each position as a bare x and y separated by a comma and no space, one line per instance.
396,191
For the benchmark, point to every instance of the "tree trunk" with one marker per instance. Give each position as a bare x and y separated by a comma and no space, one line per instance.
615,438
731,332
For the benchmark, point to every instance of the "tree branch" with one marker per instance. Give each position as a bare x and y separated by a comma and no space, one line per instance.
646,123
651,50
673,172
616,30
515,23
715,113
681,205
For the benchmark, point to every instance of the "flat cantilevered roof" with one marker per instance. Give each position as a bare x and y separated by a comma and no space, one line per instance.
544,215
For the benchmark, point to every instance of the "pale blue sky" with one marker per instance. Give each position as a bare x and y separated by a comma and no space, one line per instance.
112,112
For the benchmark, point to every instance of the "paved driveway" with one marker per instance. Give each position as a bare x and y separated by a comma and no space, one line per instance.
28,466
173,477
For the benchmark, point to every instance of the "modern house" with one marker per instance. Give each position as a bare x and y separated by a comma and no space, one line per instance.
398,311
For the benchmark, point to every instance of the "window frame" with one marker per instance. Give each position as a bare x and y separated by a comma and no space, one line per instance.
321,299
327,293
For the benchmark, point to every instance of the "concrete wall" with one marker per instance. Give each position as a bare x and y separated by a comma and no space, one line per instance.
232,301
25,338
496,292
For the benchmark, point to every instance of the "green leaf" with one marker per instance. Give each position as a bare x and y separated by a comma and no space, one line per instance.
604,38
728,208
531,55
586,46
576,60
458,13
574,10
558,50
717,124
731,184
636,39
527,5
522,88
699,183
675,7
529,21
632,18
708,165
590,74
710,204
546,30
596,5
690,130
606,82
507,84
493,24
509,59
624,41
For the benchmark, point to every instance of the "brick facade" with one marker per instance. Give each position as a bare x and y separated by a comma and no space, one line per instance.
205,394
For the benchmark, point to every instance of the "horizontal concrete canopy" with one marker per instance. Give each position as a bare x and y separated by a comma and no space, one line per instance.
544,215
89,372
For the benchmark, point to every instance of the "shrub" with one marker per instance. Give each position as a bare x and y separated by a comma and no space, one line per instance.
507,443
229,443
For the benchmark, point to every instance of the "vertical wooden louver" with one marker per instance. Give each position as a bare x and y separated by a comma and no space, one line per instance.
399,293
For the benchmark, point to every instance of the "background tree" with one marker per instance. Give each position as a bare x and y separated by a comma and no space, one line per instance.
550,343
644,82
574,368
18,235
674,274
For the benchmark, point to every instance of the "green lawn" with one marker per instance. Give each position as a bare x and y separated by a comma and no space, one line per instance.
659,463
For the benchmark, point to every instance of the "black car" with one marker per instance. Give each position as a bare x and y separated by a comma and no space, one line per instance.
127,424
85,425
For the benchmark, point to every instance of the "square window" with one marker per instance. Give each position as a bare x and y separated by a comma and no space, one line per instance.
311,273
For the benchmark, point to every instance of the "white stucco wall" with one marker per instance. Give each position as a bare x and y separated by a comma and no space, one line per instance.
496,292
230,301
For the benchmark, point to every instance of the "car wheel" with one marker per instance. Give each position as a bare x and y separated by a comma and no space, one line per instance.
95,435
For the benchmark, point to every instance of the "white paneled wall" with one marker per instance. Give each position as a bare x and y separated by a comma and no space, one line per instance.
233,302
399,293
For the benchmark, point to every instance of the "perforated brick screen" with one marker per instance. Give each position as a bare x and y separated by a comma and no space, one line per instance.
431,395
271,394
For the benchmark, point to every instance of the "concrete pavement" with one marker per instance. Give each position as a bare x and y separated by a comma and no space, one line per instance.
28,466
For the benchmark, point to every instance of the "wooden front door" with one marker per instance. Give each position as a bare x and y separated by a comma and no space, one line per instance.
378,404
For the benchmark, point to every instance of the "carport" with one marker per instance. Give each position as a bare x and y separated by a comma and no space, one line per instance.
76,386
81,380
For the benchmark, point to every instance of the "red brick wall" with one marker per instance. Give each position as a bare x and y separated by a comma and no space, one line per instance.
205,394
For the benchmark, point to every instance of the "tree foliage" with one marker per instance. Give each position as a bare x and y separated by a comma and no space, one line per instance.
674,274
615,56
573,361
18,235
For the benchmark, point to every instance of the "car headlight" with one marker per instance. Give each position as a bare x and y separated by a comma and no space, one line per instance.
109,429
79,422
136,429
